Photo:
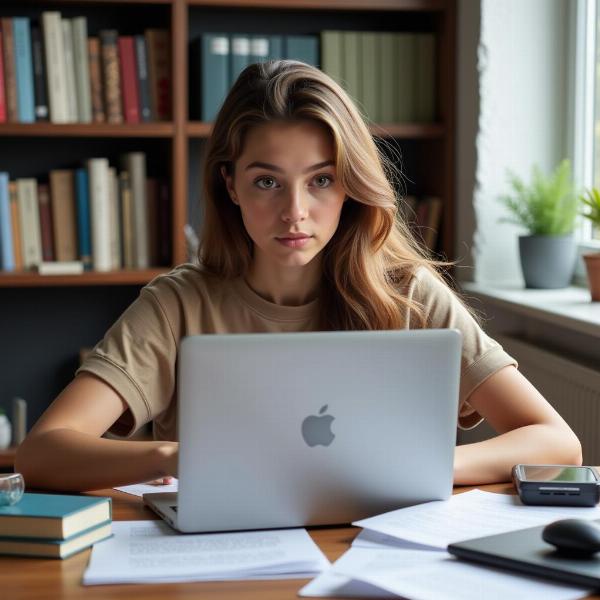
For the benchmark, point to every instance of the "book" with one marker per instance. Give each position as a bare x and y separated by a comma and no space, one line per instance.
24,69
7,258
141,61
158,48
164,224
425,77
135,164
39,75
404,77
10,72
127,63
56,70
239,57
53,516
302,47
434,218
62,190
259,49
46,221
2,92
16,225
100,212
84,233
389,76
82,70
351,51
115,219
127,244
211,53
67,30
98,114
109,52
29,220
371,77
55,548
332,54
60,267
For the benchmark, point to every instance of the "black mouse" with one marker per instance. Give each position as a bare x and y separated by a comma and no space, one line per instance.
576,537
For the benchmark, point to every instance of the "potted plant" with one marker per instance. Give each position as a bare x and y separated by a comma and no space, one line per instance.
547,209
591,199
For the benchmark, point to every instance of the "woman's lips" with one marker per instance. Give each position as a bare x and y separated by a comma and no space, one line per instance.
294,242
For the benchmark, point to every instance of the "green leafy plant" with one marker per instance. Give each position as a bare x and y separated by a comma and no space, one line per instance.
591,199
547,205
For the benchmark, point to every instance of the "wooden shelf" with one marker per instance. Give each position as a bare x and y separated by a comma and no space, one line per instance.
145,130
415,131
97,2
371,5
133,277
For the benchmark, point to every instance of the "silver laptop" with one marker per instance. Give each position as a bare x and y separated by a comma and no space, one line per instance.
295,429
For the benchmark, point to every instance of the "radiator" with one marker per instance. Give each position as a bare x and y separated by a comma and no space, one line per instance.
571,388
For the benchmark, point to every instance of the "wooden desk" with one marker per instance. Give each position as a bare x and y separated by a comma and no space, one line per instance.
41,579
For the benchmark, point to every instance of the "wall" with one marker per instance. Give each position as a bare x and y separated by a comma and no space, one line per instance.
511,114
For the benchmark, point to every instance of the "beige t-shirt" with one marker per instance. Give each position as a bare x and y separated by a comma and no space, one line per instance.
138,354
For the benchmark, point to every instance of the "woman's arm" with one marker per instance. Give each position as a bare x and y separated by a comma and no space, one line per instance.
531,431
65,450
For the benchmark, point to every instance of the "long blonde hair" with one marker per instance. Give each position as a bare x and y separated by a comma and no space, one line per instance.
372,255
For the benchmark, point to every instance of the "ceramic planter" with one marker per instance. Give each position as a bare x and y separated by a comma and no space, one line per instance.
592,265
548,261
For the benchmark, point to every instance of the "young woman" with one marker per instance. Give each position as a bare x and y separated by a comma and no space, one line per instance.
301,232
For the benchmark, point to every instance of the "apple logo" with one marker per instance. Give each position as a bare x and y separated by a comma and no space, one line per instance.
317,430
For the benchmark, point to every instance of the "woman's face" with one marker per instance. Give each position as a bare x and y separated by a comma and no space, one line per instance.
287,189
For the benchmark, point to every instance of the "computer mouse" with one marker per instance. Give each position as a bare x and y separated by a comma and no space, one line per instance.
573,536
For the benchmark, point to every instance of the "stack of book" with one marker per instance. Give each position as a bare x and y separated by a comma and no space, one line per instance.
54,525
91,218
51,70
216,60
390,75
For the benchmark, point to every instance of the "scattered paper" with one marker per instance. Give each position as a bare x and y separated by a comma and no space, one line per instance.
429,575
469,515
152,552
139,489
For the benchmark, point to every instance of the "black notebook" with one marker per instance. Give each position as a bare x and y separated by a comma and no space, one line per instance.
525,551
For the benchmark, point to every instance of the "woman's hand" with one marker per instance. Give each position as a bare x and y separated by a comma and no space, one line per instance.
168,455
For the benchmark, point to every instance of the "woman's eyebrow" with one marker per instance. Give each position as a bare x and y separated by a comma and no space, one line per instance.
263,165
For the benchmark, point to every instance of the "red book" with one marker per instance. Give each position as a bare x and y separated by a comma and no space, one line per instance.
129,79
46,221
2,95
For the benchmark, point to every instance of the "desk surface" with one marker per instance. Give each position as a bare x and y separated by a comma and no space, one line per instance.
41,579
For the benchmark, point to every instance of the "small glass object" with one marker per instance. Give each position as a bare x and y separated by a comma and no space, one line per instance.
11,488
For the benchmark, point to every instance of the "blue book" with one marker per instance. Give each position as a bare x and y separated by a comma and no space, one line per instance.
214,73
239,45
275,47
141,58
56,548
84,228
303,47
53,516
24,69
7,255
259,48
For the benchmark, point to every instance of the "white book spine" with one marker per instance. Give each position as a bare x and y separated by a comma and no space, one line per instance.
100,213
29,217
115,220
70,71
82,70
56,75
136,166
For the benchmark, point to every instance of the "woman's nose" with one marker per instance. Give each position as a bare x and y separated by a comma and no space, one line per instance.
295,208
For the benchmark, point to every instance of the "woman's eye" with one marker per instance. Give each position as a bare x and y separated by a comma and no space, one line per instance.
320,178
267,179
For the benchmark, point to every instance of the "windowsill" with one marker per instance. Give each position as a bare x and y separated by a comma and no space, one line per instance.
570,307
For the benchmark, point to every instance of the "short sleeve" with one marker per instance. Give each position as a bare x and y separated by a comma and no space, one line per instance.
481,356
137,358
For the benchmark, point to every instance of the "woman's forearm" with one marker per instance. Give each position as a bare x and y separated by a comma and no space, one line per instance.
68,460
492,460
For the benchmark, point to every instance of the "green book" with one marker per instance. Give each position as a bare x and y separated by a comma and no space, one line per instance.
371,79
404,78
425,77
389,77
331,54
302,47
53,516
56,548
351,73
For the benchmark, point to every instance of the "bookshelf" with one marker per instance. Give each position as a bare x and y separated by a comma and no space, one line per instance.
174,147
